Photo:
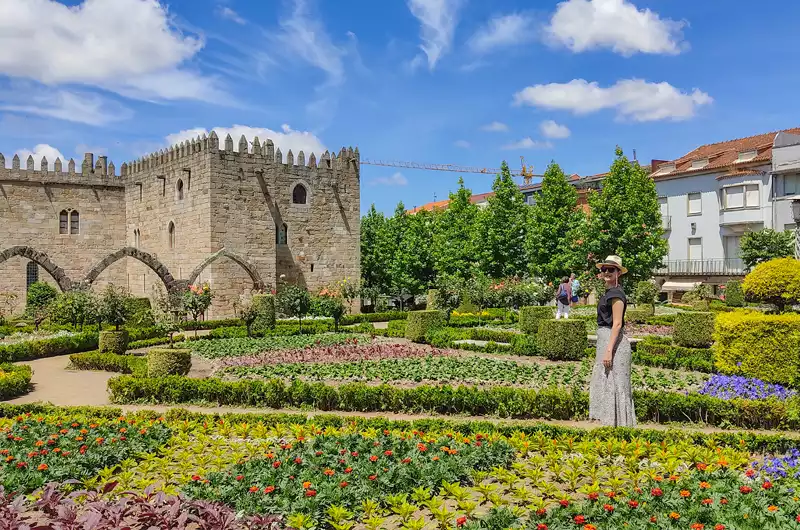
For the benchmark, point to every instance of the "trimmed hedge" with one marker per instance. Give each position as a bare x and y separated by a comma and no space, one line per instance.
637,315
15,379
157,341
37,349
531,316
734,294
759,345
386,316
109,362
661,320
499,341
421,322
264,306
432,300
694,330
562,340
662,353
547,403
114,341
168,361
209,324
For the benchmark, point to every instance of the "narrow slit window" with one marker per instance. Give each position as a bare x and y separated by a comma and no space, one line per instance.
179,190
171,231
31,273
281,234
63,222
74,222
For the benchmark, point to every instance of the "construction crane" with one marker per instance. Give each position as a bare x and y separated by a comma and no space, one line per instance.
525,172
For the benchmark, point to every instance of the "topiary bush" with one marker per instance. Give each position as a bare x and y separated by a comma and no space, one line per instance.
757,345
774,282
113,341
694,329
734,294
421,322
638,315
531,316
562,340
168,361
264,307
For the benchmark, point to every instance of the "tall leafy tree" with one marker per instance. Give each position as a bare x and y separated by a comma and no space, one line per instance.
407,265
551,224
624,219
454,250
374,250
764,245
501,229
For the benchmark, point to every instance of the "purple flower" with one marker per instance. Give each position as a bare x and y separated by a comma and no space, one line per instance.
730,387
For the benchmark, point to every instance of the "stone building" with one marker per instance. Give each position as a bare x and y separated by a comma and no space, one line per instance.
237,218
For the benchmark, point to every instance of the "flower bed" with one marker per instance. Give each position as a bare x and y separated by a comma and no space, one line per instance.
730,387
218,348
35,349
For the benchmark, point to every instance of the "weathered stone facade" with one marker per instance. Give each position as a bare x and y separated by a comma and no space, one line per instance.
237,218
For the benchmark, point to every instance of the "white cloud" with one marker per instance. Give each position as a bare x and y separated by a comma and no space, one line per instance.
229,14
551,129
495,126
395,180
582,25
527,143
462,144
633,99
438,20
79,107
502,31
287,139
38,152
127,46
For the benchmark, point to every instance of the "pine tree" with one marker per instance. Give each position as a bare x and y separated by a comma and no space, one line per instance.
624,219
454,251
501,229
551,223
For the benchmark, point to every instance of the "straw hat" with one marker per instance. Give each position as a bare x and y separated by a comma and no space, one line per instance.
613,261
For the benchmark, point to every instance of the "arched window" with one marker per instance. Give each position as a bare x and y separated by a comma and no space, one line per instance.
299,194
63,222
171,234
31,273
74,222
136,235
179,190
281,234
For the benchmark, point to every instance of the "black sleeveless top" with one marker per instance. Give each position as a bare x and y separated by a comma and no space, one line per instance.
605,317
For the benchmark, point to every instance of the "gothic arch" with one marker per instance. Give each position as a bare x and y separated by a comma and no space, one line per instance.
58,274
258,283
148,259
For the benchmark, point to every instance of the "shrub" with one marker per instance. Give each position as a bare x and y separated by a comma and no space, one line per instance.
141,312
264,307
36,349
109,362
758,345
694,330
14,380
386,316
433,299
637,315
661,320
114,341
774,282
155,341
734,294
40,295
209,324
645,293
562,340
421,322
700,305
168,361
294,301
662,353
530,316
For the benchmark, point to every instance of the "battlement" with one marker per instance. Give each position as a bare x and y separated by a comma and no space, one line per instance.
347,159
101,173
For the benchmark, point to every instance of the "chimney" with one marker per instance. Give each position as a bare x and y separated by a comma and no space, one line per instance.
654,163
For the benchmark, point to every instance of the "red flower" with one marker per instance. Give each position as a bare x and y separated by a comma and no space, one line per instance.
354,453
579,519
541,526
406,461
564,503
766,485
240,477
593,496
318,453
633,504
685,493
253,489
611,494
707,502
348,470
697,526
195,478
269,489
373,458
373,477
328,472
745,489
656,492
704,485
723,501
311,493
541,512
20,465
461,521
719,527
387,453
276,464
608,508
750,472
343,484
653,519
298,460
701,466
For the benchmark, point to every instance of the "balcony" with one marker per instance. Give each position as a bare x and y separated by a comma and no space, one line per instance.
741,216
666,222
702,267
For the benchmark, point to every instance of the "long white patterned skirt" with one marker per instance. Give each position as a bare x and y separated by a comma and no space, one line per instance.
610,397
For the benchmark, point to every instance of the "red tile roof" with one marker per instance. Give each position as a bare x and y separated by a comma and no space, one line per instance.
740,173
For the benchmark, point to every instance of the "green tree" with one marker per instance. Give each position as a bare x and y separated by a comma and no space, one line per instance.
454,249
294,301
501,229
72,307
551,223
764,245
375,250
624,219
410,264
196,300
115,305
39,296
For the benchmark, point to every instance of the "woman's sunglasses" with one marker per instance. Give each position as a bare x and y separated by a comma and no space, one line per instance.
607,269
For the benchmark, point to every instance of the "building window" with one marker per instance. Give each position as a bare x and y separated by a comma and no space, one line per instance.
791,185
744,196
695,204
31,273
299,194
63,222
74,222
171,231
136,235
695,248
179,190
281,234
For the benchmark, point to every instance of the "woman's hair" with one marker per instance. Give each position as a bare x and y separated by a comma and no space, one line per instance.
564,279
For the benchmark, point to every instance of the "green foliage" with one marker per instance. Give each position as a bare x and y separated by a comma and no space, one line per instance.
115,306
454,244
197,299
155,341
448,295
502,225
661,352
76,307
694,330
765,245
734,294
375,251
551,220
638,315
233,347
37,349
109,362
113,341
531,316
263,305
141,312
421,322
209,324
433,299
168,361
294,301
40,295
387,316
625,220
14,380
774,282
645,293
562,340
757,345
331,305
410,263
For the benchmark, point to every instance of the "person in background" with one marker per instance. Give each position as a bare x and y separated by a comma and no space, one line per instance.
575,285
563,296
610,397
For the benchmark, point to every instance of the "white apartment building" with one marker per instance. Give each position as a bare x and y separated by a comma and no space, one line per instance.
711,196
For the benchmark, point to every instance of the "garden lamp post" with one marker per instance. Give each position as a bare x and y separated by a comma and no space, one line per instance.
796,216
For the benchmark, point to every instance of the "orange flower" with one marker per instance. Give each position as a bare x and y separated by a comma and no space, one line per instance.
253,489
42,467
306,485
697,526
328,472
269,489
685,493
674,516
704,485
589,527
772,508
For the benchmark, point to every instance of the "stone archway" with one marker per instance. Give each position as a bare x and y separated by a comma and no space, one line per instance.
58,274
148,259
251,270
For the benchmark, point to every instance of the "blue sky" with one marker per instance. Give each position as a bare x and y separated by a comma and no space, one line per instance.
430,81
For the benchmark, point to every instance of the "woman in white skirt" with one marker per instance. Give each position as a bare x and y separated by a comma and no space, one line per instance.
610,396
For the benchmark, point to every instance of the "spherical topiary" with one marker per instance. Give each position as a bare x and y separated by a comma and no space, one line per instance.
562,340
734,294
113,341
419,323
694,329
166,361
264,306
530,316
775,282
